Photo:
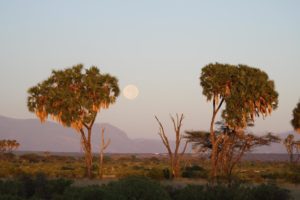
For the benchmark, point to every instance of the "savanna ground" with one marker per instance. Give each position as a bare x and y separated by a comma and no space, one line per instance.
194,170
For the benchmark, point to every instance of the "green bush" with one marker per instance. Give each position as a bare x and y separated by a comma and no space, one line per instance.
132,188
268,175
190,192
270,192
293,178
139,188
156,173
83,193
38,187
194,171
234,192
8,156
9,187
58,186
27,186
167,173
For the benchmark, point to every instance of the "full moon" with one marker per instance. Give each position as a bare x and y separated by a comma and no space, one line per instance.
130,92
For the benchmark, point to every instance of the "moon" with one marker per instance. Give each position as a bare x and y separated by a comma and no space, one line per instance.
130,92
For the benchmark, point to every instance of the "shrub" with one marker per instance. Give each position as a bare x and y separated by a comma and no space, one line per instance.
8,156
190,192
83,193
270,192
140,188
9,187
67,168
156,173
194,171
234,192
167,173
154,160
58,186
38,187
293,178
27,186
32,158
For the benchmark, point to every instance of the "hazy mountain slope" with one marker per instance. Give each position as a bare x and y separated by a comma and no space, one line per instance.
50,136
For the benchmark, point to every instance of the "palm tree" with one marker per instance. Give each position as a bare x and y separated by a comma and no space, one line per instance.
74,98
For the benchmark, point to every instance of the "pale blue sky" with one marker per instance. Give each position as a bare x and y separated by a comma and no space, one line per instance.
158,45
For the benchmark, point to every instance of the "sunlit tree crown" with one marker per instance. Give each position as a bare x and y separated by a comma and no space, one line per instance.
246,91
296,118
73,96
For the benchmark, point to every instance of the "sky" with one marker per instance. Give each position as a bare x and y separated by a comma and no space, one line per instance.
159,45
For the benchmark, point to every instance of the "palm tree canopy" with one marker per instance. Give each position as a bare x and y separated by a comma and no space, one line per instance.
73,96
296,118
246,91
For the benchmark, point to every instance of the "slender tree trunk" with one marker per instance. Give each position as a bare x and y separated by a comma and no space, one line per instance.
86,143
88,162
176,168
89,154
214,142
101,164
103,146
172,166
214,152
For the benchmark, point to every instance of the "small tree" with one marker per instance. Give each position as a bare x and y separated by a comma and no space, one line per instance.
8,145
73,98
175,156
288,143
291,145
246,92
231,148
103,146
296,118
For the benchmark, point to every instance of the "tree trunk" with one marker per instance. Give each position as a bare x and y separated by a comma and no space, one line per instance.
103,146
176,168
213,139
214,160
291,157
172,166
86,142
101,164
214,151
88,162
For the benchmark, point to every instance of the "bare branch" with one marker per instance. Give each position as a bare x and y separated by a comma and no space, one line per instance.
163,136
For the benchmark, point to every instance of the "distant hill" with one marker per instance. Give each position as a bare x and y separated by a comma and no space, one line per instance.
53,137
50,136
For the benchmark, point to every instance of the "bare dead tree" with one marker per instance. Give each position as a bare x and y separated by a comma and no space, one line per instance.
103,146
175,156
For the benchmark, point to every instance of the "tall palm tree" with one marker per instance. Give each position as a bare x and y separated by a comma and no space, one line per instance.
74,98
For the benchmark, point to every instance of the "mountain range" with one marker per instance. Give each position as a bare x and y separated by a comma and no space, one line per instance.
50,136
